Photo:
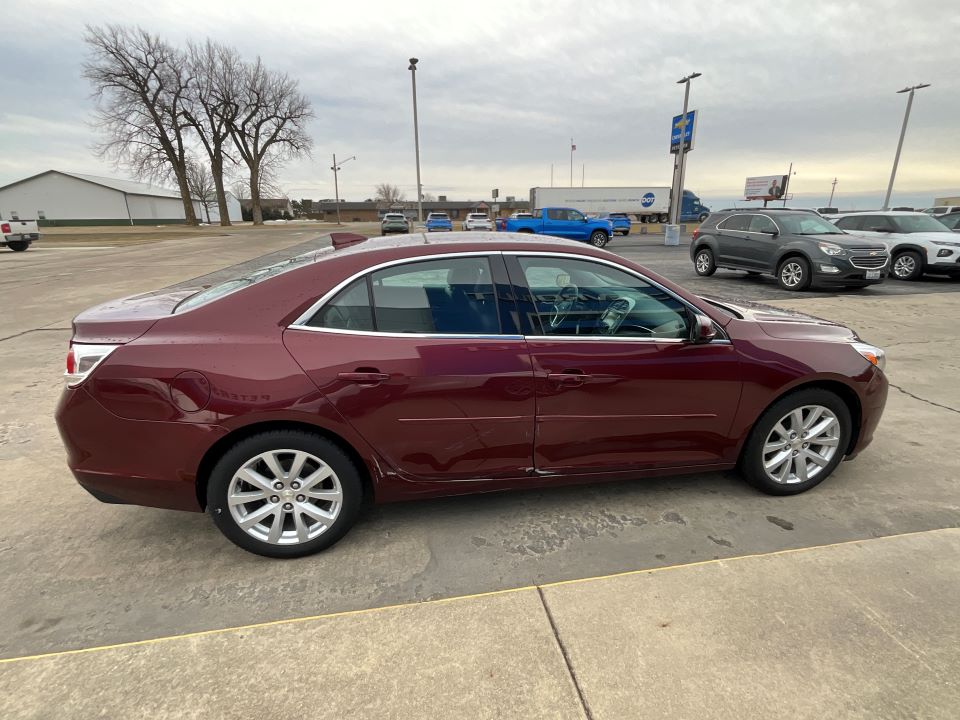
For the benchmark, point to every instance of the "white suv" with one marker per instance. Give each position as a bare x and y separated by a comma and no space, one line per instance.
477,221
917,242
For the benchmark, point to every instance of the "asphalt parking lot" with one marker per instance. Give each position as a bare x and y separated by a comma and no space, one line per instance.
79,573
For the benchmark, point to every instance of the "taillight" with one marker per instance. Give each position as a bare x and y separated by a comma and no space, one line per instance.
696,233
82,359
5,228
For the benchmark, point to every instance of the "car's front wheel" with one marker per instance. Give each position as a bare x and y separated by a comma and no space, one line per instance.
907,265
284,493
794,274
598,238
704,262
797,443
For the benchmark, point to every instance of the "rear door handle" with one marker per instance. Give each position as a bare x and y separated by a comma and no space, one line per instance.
364,378
569,377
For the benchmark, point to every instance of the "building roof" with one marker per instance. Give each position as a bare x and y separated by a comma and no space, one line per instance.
128,187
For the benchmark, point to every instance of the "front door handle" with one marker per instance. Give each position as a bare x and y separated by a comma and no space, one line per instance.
364,378
570,378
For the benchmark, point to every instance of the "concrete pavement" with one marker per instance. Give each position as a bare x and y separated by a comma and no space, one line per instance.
865,629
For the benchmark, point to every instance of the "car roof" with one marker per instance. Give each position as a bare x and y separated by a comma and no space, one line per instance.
879,212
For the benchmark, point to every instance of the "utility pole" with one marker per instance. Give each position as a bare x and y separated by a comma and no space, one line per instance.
583,173
416,137
336,186
676,199
572,148
832,190
903,132
551,174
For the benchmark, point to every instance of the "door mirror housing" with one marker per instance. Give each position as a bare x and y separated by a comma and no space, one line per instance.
702,330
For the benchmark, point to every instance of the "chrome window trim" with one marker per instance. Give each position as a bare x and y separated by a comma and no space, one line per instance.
433,336
300,322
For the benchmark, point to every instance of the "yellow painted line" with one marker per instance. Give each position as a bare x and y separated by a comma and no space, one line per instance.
455,598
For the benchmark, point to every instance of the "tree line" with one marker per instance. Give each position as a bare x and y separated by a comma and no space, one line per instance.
193,115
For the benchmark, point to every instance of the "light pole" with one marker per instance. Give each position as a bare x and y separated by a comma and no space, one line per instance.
336,186
677,198
832,189
416,137
903,132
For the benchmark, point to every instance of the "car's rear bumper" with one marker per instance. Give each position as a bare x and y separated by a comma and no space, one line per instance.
135,462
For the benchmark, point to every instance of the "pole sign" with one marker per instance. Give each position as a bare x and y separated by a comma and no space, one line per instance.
683,130
766,187
496,193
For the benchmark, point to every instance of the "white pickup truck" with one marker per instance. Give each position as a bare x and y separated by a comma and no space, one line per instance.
18,234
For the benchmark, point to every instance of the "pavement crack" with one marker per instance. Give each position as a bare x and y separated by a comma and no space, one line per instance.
566,656
924,400
33,330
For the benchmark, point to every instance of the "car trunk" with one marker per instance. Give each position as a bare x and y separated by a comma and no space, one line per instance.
120,321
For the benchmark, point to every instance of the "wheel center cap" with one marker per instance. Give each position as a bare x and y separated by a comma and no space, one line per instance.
287,494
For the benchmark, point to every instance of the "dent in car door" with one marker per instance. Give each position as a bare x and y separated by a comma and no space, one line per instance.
435,405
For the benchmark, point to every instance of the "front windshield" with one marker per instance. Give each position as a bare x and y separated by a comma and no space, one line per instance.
228,286
806,224
919,223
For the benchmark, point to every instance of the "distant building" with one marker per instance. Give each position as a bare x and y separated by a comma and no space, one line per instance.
947,200
56,198
372,210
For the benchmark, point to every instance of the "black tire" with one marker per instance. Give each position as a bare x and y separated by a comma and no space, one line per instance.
598,238
346,472
18,245
704,263
794,274
906,265
751,458
663,218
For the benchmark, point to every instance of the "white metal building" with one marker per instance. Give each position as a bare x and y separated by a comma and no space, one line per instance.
55,197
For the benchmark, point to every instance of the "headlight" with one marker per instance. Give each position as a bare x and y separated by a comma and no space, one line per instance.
829,248
948,244
873,354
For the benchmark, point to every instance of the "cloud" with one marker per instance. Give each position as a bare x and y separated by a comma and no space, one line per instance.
503,88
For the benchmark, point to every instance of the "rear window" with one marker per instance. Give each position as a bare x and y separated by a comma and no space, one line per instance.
215,292
437,216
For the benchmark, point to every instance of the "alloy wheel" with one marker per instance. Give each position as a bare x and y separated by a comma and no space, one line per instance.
703,262
285,497
791,274
904,266
801,444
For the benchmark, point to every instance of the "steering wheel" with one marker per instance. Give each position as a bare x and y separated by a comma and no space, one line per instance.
565,303
613,317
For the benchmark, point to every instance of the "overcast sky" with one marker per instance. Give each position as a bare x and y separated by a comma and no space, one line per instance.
503,86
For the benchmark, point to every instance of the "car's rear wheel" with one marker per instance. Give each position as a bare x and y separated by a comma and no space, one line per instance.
663,218
598,238
797,443
907,265
284,493
18,245
704,262
794,274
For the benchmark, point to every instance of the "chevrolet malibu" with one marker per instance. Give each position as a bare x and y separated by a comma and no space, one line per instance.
281,401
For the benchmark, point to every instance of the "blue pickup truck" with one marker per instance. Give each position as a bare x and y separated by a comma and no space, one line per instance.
563,223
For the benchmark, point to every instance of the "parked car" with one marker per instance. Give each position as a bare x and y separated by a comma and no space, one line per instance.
799,248
477,221
394,223
621,222
438,221
412,367
941,210
917,243
951,221
563,223
827,210
18,234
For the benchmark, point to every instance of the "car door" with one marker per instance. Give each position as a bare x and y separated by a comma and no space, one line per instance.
559,224
733,240
619,386
424,359
763,243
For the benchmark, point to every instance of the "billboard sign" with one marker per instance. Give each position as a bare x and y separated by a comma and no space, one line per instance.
766,187
683,130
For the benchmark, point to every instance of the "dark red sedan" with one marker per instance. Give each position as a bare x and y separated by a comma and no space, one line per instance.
416,367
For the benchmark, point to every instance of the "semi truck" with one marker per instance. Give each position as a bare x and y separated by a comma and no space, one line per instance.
647,204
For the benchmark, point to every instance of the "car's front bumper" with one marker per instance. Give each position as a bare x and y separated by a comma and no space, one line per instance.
136,462
835,270
873,398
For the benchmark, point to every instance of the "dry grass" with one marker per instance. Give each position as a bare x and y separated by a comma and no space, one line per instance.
138,235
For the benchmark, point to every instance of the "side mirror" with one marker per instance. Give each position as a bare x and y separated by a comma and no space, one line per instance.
702,330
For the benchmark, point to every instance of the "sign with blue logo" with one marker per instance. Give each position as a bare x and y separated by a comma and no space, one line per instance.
647,200
684,128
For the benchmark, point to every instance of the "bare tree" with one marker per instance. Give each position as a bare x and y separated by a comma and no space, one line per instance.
139,84
267,120
428,197
388,194
209,104
203,188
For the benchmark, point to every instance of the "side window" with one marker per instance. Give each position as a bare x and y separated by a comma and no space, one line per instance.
850,223
449,296
348,310
876,223
575,215
556,214
735,222
582,298
762,224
